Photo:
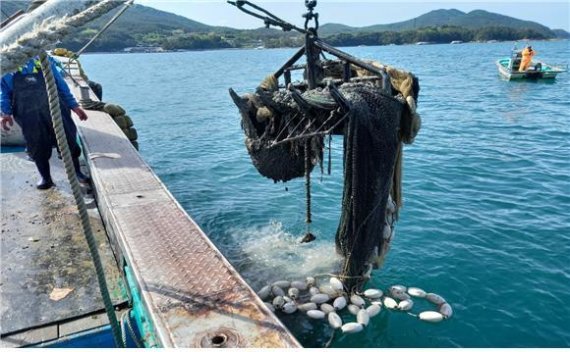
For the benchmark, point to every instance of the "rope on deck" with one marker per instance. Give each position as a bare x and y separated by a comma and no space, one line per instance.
40,38
55,111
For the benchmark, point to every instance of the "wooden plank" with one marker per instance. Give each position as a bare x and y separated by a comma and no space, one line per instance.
191,292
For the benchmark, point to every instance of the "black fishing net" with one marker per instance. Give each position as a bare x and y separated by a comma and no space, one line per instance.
279,122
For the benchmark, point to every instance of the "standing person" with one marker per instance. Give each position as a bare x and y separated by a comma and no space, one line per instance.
24,99
527,55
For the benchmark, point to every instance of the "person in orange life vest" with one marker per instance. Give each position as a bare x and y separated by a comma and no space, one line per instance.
527,55
24,98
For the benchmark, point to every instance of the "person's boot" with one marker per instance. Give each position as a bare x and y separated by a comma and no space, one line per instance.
80,175
45,181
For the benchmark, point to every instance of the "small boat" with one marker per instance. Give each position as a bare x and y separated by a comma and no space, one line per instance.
509,68
456,42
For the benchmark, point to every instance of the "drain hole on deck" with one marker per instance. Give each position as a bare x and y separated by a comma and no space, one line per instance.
139,196
219,340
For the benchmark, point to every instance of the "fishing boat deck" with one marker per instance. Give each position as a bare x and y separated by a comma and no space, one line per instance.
48,286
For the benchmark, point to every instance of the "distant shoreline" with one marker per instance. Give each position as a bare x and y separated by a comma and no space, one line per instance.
296,47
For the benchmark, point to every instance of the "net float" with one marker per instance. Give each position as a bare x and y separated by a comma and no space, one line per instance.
416,292
446,310
334,320
357,300
277,291
339,303
406,305
431,316
307,306
373,293
390,303
362,317
351,328
264,292
327,308
373,310
353,309
316,314
435,298
320,298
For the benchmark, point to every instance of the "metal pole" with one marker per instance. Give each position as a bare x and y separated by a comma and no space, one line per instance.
52,8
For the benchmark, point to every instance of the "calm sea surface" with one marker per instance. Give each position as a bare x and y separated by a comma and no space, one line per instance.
486,221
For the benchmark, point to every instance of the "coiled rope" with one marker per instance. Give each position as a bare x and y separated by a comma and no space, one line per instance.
37,41
55,111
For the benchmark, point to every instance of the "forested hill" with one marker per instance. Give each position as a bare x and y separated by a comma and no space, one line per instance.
142,26
473,20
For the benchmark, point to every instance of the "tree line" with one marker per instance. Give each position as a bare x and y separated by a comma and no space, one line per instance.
178,39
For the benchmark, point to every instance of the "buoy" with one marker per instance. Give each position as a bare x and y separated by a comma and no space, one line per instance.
339,303
314,291
327,308
446,310
289,308
299,285
335,321
329,290
310,281
264,292
416,292
373,310
282,283
373,293
353,309
357,300
288,299
320,298
270,306
351,328
293,292
377,303
435,299
336,284
406,305
277,291
316,314
362,317
390,303
431,316
401,296
278,302
307,306
397,289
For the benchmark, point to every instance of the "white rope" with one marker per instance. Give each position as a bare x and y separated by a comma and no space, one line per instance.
48,32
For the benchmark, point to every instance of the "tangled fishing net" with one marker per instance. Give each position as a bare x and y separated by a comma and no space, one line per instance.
286,130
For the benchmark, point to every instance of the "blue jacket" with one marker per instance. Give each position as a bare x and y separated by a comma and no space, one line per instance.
32,67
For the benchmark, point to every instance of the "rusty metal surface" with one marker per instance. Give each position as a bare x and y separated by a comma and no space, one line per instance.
43,248
194,296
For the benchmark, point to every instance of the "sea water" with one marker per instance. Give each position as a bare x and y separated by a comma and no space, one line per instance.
486,217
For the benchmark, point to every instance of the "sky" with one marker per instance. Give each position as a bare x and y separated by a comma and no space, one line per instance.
551,13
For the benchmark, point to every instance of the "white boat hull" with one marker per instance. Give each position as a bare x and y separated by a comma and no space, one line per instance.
544,72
